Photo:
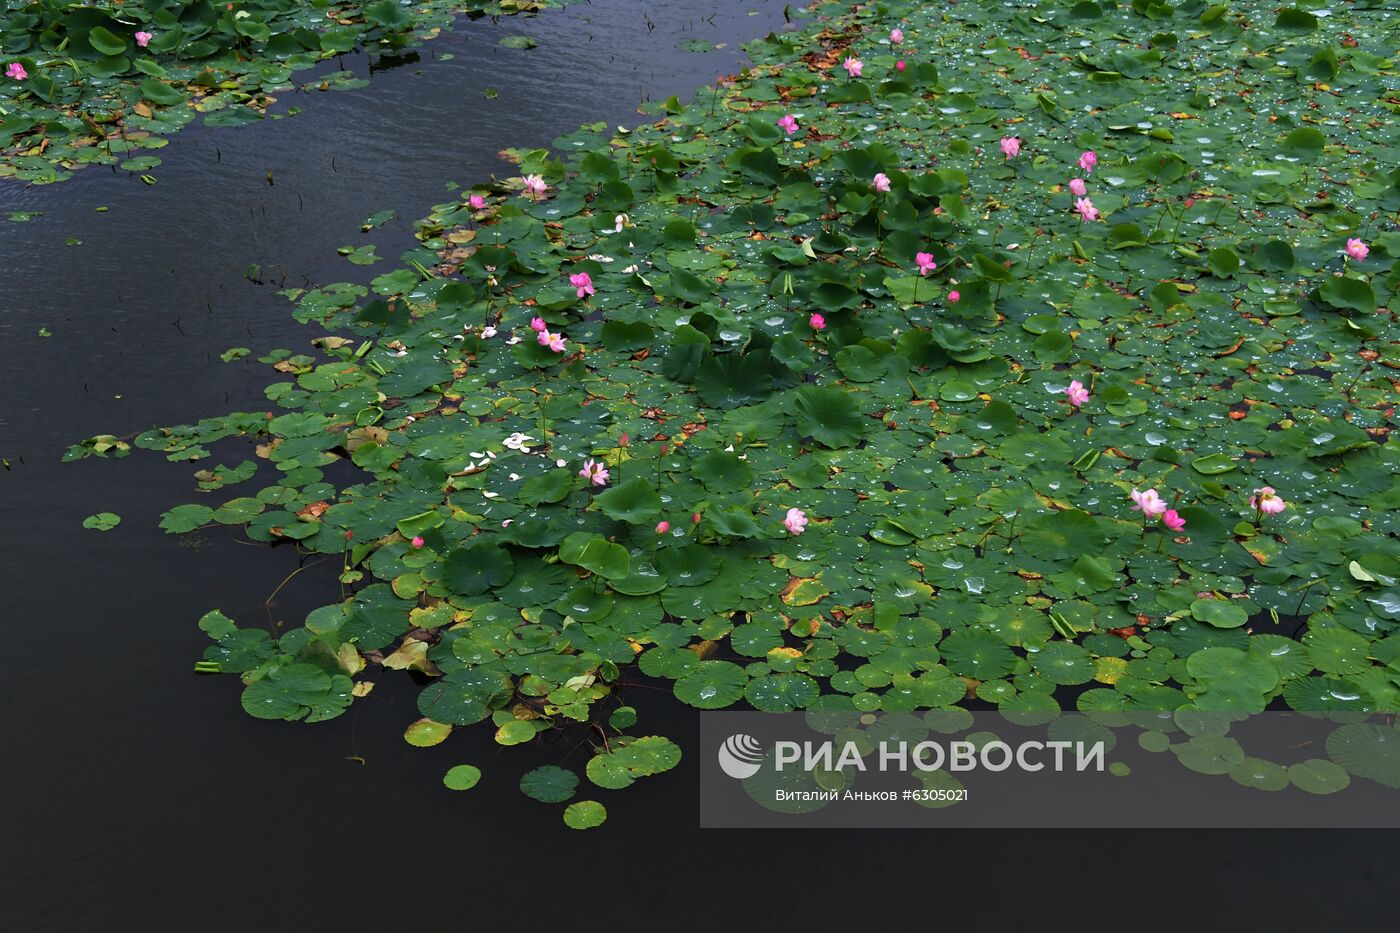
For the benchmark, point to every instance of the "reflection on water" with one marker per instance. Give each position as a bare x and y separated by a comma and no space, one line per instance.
137,793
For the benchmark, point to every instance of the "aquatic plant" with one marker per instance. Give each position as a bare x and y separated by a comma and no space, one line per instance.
891,508
107,82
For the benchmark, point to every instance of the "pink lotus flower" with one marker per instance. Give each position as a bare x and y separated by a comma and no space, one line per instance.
1148,503
1357,249
1010,147
583,282
954,297
557,343
534,185
16,71
417,541
695,518
543,337
881,181
1077,186
663,527
1267,501
1087,160
477,202
143,38
795,521
595,471
789,123
1086,209
853,66
1172,520
899,65
925,263
817,322
538,325
897,36
1078,395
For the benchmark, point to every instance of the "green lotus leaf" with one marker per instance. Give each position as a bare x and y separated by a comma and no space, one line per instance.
1336,651
186,518
829,416
781,693
1259,774
634,501
105,41
461,777
102,521
1318,776
723,471
628,760
297,691
549,784
1213,464
1348,292
1210,754
477,568
464,697
1063,663
515,732
425,733
1231,667
1219,613
734,523
1367,750
1325,694
977,653
586,814
711,684
596,554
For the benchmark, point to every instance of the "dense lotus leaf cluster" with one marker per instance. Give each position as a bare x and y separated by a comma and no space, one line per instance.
107,82
970,536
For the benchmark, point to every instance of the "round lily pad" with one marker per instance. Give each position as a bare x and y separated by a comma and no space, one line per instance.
586,814
711,685
102,521
1318,776
977,653
627,760
1336,651
1260,774
1063,663
1219,613
549,784
781,693
425,733
461,777
1367,750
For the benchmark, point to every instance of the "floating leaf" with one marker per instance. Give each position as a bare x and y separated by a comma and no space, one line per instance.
102,521
586,814
549,784
711,684
828,415
461,777
634,502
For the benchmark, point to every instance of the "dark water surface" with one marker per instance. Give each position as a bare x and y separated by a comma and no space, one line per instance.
138,796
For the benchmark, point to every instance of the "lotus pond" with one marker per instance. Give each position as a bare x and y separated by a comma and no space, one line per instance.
106,83
1031,355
